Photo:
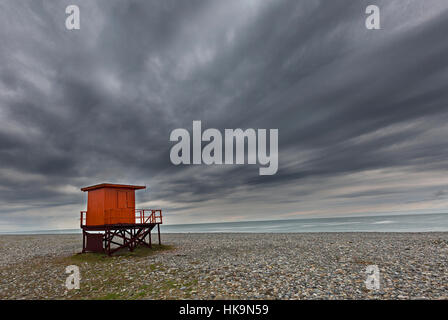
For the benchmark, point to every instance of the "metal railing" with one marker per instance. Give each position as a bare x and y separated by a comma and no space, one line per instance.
141,216
148,215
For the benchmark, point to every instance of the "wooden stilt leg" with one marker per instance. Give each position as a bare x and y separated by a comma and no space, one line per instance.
104,241
158,231
132,244
83,241
108,242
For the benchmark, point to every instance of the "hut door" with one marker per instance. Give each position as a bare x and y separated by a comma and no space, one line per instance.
122,199
130,199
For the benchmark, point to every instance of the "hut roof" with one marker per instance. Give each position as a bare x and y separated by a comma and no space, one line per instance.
112,185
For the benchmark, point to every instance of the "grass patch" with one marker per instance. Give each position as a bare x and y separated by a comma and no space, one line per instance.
139,295
111,296
143,251
170,284
94,257
361,261
104,277
89,257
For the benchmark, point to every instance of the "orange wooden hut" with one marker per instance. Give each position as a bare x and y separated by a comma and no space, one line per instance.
112,222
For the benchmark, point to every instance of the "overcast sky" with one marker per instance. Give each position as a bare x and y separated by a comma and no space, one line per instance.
361,113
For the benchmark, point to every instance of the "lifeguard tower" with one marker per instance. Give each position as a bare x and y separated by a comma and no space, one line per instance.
112,222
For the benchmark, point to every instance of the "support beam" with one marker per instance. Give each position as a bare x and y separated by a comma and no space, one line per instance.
116,237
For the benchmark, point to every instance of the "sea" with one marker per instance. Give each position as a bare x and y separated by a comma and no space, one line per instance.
434,222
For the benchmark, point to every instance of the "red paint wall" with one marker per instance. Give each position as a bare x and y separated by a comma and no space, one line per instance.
110,206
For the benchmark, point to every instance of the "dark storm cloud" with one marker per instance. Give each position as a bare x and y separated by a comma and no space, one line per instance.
98,104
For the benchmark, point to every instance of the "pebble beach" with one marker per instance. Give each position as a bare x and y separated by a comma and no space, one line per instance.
231,266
